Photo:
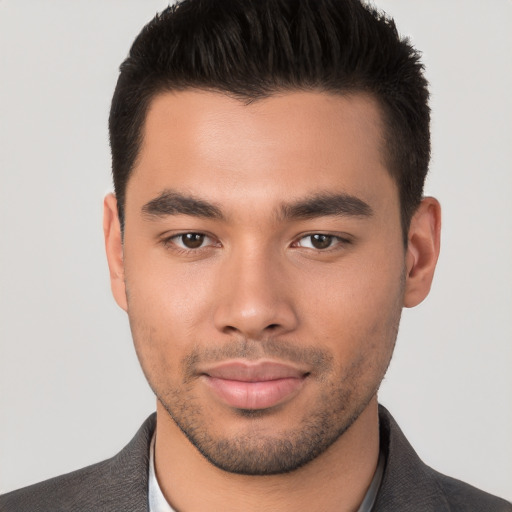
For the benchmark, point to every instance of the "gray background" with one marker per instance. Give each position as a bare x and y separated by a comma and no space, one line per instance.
71,391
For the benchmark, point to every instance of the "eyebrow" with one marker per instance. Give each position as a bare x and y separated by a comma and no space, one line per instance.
170,202
327,204
174,203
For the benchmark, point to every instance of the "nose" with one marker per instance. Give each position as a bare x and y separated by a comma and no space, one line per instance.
255,299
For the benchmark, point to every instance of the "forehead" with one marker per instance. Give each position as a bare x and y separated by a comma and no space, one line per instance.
277,148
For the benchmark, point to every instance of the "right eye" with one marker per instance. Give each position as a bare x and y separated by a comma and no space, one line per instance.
190,241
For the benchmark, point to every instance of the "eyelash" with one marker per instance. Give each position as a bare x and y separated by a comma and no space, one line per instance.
170,242
340,241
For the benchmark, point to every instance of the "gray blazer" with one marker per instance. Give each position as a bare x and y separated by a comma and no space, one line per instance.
121,483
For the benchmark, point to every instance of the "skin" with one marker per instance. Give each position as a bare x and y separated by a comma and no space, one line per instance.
257,289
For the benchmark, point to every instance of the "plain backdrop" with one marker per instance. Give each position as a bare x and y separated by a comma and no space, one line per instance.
71,391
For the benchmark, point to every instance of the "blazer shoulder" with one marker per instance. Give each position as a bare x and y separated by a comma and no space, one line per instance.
409,484
118,483
73,491
463,497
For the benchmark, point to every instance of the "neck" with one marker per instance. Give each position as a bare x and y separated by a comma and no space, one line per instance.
336,480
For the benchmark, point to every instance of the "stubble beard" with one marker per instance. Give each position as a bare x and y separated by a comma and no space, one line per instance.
249,453
340,404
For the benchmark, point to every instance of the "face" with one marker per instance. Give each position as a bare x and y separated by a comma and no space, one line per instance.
263,270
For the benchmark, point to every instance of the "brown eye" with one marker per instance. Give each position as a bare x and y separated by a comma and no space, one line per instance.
192,240
319,241
190,243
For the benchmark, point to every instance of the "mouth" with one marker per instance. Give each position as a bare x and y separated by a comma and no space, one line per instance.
254,386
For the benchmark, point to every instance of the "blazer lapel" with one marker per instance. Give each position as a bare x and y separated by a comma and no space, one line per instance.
126,477
408,484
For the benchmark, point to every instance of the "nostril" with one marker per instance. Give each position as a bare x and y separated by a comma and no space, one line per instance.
272,327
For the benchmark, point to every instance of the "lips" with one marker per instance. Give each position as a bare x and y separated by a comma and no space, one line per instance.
254,386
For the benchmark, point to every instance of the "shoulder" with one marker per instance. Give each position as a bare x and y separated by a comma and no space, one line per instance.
119,483
464,497
409,484
79,490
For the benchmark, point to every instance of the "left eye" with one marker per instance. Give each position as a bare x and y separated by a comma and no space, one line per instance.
318,241
191,240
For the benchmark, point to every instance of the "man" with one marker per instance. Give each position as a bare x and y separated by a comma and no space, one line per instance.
267,229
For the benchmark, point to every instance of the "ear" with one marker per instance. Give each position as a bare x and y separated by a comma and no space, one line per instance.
422,251
114,249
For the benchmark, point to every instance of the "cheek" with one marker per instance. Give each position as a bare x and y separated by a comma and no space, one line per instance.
166,310
356,312
166,295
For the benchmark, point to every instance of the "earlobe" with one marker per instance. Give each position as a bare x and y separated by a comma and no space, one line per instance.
114,249
422,251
